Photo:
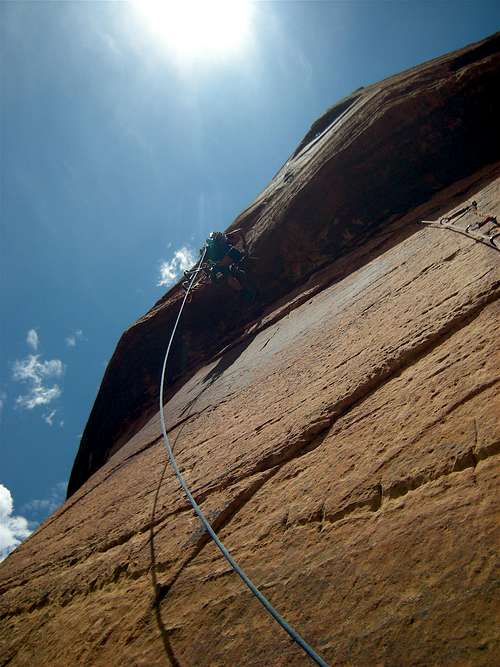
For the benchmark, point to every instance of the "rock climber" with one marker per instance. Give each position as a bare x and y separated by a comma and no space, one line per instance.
223,262
223,258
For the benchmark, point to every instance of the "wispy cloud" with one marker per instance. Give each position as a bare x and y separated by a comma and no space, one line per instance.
40,508
183,258
3,398
73,338
13,529
33,373
32,339
49,417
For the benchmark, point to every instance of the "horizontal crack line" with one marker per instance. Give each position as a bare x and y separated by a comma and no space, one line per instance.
315,432
377,496
195,545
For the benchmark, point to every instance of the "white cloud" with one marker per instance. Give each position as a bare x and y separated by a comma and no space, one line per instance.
13,529
32,372
73,338
183,259
32,339
49,417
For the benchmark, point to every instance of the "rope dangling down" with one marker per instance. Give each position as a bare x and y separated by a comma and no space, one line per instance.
262,599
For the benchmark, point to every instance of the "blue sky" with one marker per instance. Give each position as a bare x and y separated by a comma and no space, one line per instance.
117,153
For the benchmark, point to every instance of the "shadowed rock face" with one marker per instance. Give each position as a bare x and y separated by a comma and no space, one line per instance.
373,156
343,437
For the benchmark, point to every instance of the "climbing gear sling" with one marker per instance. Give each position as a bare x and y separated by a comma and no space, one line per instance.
486,230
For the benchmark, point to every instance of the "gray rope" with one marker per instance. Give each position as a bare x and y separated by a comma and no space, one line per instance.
262,599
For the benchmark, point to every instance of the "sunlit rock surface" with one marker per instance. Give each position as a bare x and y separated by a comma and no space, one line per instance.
342,435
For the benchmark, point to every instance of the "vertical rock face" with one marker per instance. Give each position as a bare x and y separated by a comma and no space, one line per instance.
343,437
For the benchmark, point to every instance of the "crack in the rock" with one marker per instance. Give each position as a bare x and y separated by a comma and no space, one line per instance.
474,446
121,539
313,435
117,468
220,518
321,288
197,542
270,338
472,393
76,499
315,432
377,497
434,266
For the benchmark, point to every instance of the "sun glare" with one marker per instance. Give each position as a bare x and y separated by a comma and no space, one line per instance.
197,28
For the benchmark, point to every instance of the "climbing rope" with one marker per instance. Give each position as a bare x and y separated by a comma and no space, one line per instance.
262,599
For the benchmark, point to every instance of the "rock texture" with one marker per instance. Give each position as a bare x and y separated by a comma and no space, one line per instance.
345,442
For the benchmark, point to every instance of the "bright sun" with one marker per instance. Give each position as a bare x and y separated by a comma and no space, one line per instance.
197,28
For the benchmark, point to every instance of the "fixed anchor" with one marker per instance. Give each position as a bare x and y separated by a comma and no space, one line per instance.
488,239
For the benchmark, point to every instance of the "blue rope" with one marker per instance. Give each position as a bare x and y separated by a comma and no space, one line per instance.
262,599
